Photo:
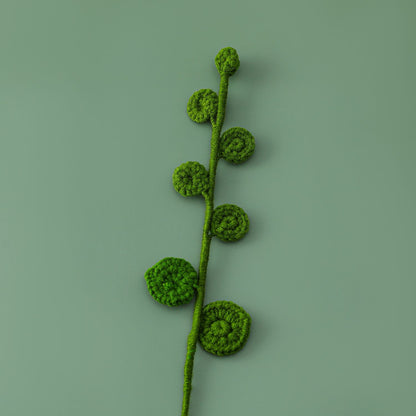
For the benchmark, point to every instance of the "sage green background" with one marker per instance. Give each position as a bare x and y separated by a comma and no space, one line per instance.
93,122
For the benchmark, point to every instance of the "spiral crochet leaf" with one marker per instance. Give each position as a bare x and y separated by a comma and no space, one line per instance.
190,179
172,281
203,106
237,145
227,61
229,222
224,329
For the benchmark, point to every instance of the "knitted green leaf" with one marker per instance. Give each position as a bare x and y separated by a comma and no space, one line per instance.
237,145
172,281
224,329
229,222
203,106
190,179
227,61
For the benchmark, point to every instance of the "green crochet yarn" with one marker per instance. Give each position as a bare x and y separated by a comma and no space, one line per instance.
190,179
203,106
229,222
237,145
221,327
172,281
227,61
225,327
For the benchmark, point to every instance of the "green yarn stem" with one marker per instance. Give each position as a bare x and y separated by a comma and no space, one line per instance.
206,244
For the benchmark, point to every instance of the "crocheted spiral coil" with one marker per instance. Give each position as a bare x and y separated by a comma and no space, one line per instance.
229,222
225,328
172,281
203,106
190,179
227,61
236,145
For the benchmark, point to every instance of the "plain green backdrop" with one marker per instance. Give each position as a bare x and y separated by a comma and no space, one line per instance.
93,122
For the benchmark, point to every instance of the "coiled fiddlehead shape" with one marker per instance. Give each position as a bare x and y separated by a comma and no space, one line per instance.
236,145
227,61
224,329
172,281
190,179
229,222
221,327
203,106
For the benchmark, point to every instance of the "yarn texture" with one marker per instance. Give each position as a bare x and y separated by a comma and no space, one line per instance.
237,145
229,222
190,179
227,61
203,106
225,327
221,327
172,281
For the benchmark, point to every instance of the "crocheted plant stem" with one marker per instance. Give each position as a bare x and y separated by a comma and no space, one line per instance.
205,246
221,327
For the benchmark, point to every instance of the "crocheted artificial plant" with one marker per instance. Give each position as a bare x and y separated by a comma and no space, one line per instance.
221,327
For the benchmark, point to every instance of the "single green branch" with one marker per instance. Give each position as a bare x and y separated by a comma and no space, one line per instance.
221,327
206,244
